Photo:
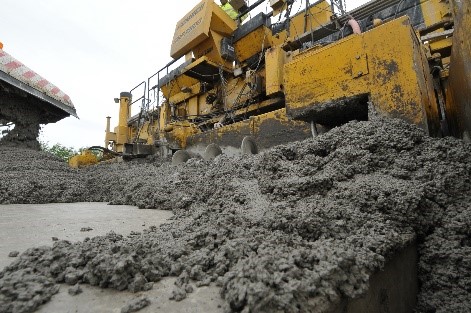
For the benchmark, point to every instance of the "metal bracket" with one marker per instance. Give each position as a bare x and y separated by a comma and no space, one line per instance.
360,65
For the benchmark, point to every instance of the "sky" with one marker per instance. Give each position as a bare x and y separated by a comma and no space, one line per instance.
92,50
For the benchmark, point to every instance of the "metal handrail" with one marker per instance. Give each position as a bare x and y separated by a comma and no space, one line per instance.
153,88
144,93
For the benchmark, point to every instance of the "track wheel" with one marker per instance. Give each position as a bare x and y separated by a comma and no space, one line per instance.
249,146
179,157
212,151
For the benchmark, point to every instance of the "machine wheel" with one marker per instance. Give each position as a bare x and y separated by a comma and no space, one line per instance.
249,146
211,152
179,157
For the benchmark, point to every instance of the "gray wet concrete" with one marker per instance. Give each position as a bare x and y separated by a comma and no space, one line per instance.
23,226
298,226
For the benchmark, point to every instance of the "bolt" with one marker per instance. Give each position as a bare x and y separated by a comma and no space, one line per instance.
360,73
357,57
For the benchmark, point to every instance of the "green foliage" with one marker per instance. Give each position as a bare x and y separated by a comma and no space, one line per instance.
59,150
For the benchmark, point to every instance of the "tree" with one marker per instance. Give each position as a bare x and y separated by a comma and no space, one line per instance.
59,150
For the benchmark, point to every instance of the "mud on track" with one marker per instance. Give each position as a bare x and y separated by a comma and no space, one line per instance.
293,229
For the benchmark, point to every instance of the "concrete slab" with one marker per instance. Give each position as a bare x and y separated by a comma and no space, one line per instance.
94,299
23,226
26,226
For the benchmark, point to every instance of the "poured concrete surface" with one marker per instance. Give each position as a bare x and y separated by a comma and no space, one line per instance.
25,226
94,299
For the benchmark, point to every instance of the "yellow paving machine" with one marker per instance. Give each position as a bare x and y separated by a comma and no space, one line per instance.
248,82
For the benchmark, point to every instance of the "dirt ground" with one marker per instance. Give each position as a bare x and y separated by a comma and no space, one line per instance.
306,221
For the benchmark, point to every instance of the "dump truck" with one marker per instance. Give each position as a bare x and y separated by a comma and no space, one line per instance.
27,100
241,87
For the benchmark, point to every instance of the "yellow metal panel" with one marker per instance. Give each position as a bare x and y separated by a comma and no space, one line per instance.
180,133
317,15
435,11
176,85
274,62
459,93
279,38
188,92
397,80
325,74
204,48
268,130
85,159
233,128
193,107
211,50
253,43
194,28
441,44
205,59
277,115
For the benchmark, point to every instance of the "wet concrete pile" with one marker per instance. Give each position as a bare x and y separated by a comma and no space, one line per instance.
294,229
29,176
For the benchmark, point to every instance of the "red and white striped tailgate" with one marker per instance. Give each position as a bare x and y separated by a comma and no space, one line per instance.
18,70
